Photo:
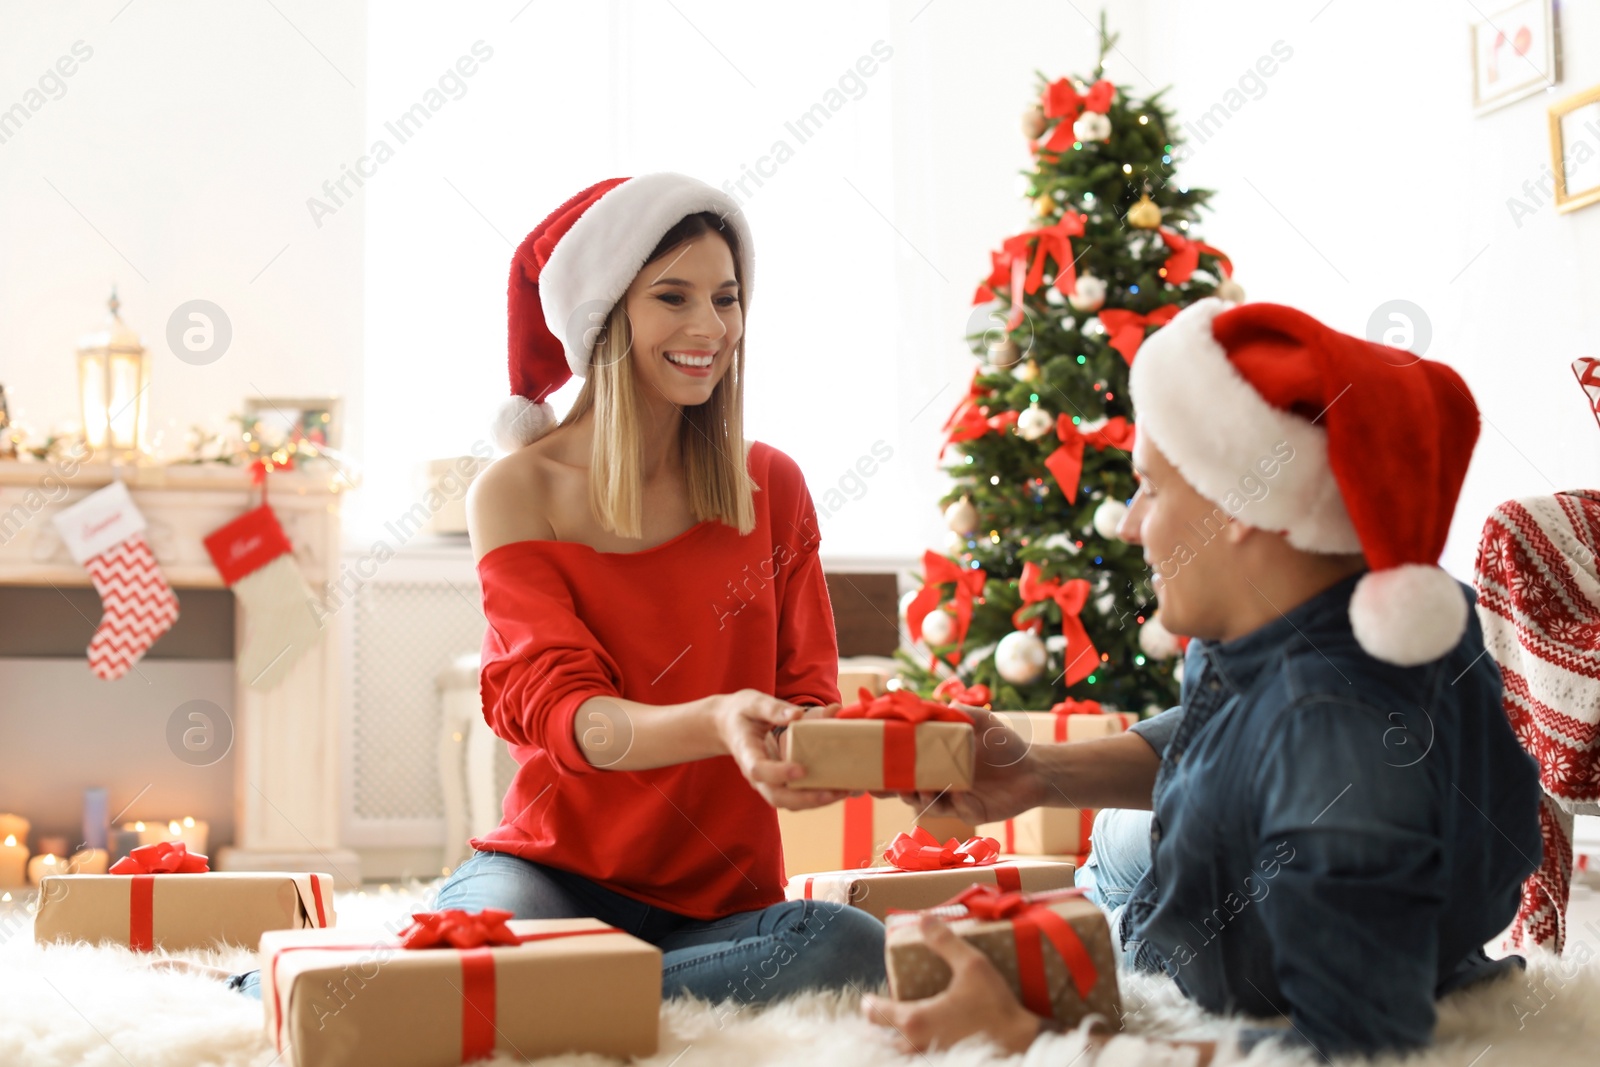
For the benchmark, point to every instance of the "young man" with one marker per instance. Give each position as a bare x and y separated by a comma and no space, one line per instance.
1342,816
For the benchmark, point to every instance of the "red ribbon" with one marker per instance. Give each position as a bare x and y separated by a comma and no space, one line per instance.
442,929
921,851
955,691
163,857
1126,328
1185,257
1032,924
968,422
900,711
936,570
1061,100
1070,596
1066,462
1074,707
1055,241
858,837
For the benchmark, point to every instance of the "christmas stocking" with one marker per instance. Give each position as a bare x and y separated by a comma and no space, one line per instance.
105,533
255,559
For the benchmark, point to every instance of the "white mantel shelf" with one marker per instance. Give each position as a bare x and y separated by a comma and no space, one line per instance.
287,760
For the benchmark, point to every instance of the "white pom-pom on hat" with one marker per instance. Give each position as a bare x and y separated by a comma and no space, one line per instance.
519,421
1410,614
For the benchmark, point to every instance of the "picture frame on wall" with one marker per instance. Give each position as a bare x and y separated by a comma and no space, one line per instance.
1575,149
1514,53
275,420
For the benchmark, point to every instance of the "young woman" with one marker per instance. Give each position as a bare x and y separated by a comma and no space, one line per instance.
656,607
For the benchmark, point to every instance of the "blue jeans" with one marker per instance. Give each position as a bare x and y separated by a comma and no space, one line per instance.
752,956
1119,858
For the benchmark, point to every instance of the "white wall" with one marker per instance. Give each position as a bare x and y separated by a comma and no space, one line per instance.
176,164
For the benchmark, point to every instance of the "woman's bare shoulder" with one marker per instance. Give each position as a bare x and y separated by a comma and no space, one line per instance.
507,501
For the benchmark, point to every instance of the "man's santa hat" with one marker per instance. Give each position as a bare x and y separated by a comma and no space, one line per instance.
1381,440
574,267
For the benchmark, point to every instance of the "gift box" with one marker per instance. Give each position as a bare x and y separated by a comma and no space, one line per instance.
1044,832
854,832
878,890
1069,720
164,897
896,742
455,987
1053,949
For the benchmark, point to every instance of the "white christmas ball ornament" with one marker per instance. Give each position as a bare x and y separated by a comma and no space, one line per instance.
1156,640
955,543
938,627
1034,423
905,601
961,516
1020,657
1092,126
1090,295
1108,516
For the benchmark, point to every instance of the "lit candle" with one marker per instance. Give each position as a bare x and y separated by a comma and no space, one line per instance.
189,830
88,861
13,861
42,866
14,826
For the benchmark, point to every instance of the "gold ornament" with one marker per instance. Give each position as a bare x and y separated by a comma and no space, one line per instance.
1044,205
1029,371
1033,121
1145,215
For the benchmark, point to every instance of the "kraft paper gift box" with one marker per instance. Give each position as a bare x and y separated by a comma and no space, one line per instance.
1044,832
1085,721
881,754
854,832
355,997
878,890
180,911
1053,949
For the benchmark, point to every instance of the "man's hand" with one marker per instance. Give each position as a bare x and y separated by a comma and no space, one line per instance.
977,1001
1005,781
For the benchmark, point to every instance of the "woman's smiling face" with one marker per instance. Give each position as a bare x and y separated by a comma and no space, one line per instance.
684,314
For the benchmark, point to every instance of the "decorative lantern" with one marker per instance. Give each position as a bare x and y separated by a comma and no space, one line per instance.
113,372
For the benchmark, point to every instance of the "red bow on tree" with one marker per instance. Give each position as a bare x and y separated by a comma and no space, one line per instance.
163,857
1185,257
921,851
1066,462
968,422
1077,707
954,690
1126,328
900,705
937,569
1061,100
1055,241
454,928
1070,596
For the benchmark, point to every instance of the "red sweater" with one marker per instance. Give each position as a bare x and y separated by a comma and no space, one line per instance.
706,612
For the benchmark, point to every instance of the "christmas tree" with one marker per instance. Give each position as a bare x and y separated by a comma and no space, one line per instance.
1035,599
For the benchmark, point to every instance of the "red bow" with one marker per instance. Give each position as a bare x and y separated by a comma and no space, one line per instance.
454,928
1007,267
937,569
968,422
1126,328
163,857
1185,257
1033,923
1055,241
954,690
920,851
1066,462
1070,596
1077,707
900,705
1061,100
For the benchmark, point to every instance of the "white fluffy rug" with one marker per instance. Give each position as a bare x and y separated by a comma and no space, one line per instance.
74,1004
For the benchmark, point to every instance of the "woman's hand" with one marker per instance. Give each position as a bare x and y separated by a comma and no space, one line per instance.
744,722
1005,780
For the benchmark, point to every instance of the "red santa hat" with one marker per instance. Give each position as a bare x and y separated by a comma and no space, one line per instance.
1380,443
573,268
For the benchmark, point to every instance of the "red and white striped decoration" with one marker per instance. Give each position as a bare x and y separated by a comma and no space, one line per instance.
1588,372
137,605
1539,603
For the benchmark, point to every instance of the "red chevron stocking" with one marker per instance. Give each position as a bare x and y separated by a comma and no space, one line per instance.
105,533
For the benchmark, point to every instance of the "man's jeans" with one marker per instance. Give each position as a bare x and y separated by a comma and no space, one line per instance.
1120,857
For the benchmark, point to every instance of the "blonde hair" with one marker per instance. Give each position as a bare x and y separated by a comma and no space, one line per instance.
711,435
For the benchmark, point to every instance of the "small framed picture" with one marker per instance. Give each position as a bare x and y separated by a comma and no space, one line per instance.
1514,53
277,420
1575,149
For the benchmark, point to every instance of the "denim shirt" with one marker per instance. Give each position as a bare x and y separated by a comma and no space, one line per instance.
1334,838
